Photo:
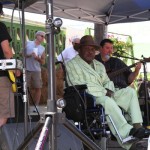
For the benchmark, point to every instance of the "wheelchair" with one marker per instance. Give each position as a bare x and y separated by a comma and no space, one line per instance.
88,117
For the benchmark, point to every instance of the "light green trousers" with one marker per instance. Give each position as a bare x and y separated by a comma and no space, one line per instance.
125,98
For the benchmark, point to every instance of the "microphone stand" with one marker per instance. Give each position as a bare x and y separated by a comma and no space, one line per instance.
145,82
145,91
118,55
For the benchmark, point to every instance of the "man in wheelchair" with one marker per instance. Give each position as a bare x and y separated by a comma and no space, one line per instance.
84,69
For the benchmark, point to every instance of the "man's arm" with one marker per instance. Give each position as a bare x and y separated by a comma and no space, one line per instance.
6,49
134,74
63,55
8,54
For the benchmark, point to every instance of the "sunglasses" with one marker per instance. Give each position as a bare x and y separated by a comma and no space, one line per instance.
76,43
42,36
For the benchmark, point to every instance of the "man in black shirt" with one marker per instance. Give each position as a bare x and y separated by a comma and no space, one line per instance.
6,94
113,64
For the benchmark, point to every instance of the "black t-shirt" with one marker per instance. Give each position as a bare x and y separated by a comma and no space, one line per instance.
112,65
4,35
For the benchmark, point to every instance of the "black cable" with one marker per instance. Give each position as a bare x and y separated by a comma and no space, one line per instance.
11,34
87,124
83,102
33,102
17,99
66,84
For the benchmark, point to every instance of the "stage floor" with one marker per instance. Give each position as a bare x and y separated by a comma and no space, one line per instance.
112,145
41,109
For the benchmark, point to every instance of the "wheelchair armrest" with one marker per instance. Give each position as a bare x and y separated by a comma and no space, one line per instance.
80,88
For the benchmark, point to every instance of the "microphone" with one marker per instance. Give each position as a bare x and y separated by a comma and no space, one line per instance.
107,57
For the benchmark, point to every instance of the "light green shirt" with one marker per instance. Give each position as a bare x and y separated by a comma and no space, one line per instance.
79,72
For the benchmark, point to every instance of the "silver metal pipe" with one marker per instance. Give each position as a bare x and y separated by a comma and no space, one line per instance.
51,102
86,140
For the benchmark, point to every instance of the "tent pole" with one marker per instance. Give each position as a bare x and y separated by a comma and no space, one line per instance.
98,32
51,102
105,32
51,105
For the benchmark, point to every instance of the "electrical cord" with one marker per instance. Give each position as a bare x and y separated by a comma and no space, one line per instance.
17,99
33,102
17,2
82,99
66,84
83,102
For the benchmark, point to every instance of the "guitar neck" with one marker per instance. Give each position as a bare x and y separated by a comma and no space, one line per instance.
115,73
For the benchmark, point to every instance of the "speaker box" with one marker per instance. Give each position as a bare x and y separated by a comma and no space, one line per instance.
12,135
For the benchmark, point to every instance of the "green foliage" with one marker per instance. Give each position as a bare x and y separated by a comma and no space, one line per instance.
123,48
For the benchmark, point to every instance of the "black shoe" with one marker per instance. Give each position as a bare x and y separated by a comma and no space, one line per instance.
140,145
138,133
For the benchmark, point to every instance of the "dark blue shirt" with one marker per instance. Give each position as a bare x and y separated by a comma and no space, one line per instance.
113,65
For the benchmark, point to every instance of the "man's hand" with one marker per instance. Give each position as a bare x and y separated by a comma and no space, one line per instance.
109,93
17,72
34,55
134,74
38,59
138,67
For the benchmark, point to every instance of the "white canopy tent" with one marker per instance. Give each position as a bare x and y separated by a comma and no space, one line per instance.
96,11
